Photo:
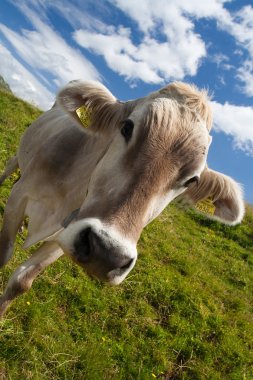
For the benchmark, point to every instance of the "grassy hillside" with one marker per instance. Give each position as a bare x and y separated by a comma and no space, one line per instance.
184,312
4,86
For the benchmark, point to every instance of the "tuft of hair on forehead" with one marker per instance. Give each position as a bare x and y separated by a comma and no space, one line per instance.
197,101
170,121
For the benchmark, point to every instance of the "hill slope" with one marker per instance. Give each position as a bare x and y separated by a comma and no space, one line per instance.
184,312
4,85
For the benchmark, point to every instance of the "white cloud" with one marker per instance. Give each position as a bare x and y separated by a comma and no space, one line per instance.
46,51
22,82
169,48
221,61
175,21
152,62
119,52
236,121
245,74
170,15
240,26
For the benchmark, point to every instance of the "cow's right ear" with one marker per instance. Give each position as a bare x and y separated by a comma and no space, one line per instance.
95,97
218,196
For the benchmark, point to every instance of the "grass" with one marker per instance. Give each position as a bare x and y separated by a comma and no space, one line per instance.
184,312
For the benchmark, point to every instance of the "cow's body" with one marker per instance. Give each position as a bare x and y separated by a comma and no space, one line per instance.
89,193
56,152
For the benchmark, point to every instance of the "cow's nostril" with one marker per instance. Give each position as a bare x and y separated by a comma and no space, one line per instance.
84,234
82,245
127,265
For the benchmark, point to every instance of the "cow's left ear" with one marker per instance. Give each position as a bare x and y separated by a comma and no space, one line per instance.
218,196
94,97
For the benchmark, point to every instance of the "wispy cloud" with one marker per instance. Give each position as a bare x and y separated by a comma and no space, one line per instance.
245,74
22,82
44,50
240,26
221,61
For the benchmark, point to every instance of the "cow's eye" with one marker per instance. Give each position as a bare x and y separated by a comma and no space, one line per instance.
191,180
127,129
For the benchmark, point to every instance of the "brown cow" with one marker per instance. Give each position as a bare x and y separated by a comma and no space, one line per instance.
88,193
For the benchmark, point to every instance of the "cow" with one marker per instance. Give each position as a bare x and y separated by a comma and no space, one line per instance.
89,192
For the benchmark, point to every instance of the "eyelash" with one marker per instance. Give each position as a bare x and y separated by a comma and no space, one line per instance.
191,180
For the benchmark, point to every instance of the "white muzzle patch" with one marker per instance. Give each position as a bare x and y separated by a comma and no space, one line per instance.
99,249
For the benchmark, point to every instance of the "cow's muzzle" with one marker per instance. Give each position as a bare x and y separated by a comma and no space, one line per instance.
99,252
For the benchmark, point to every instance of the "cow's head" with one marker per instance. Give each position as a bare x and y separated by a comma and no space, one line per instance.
156,150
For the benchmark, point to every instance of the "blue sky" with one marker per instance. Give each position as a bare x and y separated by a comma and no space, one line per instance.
135,47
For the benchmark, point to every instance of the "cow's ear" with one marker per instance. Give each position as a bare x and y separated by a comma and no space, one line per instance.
218,196
95,97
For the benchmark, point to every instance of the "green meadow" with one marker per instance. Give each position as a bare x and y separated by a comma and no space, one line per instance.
184,312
